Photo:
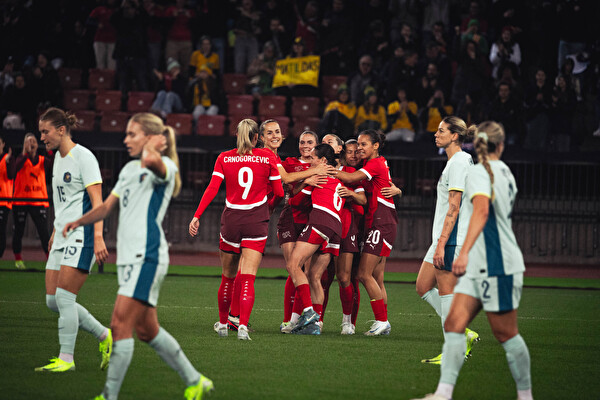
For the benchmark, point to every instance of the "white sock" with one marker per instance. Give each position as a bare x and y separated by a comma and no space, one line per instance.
306,309
88,323
445,389
66,357
525,394
445,302
119,363
347,318
453,358
51,302
295,317
519,362
68,322
433,298
169,350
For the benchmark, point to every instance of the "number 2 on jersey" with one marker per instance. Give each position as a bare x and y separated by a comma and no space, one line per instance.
246,182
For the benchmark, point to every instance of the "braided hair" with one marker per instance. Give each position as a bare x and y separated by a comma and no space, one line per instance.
488,135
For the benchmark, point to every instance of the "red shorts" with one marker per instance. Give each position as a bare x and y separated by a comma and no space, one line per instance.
327,238
379,240
238,230
287,230
351,240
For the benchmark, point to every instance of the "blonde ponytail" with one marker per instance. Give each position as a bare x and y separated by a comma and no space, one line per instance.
488,135
246,130
171,152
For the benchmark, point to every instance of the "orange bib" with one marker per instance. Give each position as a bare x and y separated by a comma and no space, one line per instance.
31,183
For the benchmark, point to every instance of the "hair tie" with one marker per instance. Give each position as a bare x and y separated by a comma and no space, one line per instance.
483,135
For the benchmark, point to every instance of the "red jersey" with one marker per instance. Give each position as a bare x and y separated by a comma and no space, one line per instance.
278,163
180,31
350,207
300,210
324,199
105,32
381,211
6,185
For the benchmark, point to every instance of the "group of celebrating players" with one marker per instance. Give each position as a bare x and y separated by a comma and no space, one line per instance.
338,202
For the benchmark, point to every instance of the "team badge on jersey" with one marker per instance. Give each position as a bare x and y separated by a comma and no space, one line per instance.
67,177
143,176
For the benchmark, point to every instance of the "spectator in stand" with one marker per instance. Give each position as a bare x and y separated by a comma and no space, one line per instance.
338,117
45,83
472,34
205,56
428,83
171,90
407,76
337,46
372,10
575,19
370,114
564,101
391,72
538,100
154,34
212,19
402,119
261,71
280,11
507,13
509,73
293,90
470,75
376,43
470,109
361,78
205,94
433,113
308,24
18,105
567,71
279,36
407,37
80,54
434,11
105,36
179,35
130,21
246,28
403,11
434,55
474,13
507,111
504,50
7,74
440,37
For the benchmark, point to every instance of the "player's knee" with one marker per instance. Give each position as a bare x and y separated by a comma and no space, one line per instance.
51,302
145,333
453,324
343,279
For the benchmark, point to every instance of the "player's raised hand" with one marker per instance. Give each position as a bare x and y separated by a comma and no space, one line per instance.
157,142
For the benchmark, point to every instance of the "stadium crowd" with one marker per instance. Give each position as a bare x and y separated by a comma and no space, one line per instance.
533,66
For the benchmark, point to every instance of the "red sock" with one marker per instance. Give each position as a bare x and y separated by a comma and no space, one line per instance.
224,297
346,295
235,298
379,310
246,297
18,257
318,309
298,307
356,301
326,280
288,299
304,294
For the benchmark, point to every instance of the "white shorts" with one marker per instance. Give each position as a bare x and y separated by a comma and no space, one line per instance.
82,258
141,281
449,255
496,293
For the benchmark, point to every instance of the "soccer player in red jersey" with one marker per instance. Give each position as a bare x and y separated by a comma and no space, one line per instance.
321,237
247,172
381,221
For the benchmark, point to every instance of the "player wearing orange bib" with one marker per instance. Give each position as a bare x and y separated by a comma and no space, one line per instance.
6,190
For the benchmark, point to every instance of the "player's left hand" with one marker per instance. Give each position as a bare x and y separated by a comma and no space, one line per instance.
193,228
100,250
68,228
438,258
459,267
157,142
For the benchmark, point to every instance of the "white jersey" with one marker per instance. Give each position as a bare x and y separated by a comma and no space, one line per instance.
71,175
143,201
454,177
495,251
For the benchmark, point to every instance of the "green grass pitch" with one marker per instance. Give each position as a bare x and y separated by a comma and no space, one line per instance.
560,327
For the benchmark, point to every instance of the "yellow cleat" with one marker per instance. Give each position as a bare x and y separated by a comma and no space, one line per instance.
57,365
19,264
472,338
100,397
435,360
204,386
105,348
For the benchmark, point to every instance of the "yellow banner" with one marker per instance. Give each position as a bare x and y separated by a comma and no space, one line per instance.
297,71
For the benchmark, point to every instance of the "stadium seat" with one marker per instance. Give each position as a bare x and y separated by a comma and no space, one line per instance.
210,125
239,104
305,107
181,122
234,120
139,101
305,124
108,100
330,85
101,79
75,100
86,120
70,78
234,83
271,106
114,121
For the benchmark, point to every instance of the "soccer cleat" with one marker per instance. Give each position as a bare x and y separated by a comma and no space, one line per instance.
311,329
19,264
379,328
57,365
347,328
286,327
472,338
233,322
243,333
306,318
320,325
100,397
432,396
204,386
221,329
105,348
435,360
